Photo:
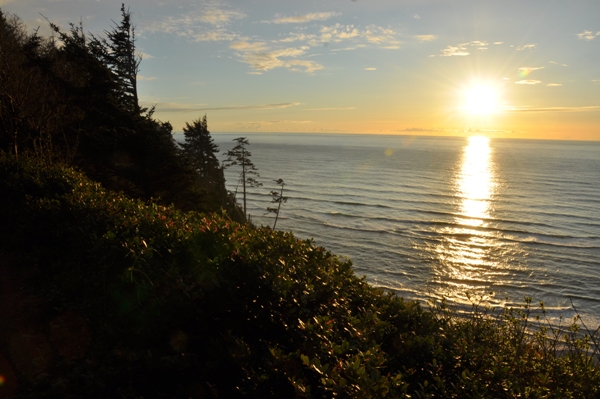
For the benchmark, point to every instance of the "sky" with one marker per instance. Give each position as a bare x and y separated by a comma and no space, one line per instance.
518,69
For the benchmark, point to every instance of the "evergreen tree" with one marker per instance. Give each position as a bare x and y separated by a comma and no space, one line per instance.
239,155
118,53
200,150
277,198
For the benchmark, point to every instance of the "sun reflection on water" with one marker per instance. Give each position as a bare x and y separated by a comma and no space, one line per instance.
464,253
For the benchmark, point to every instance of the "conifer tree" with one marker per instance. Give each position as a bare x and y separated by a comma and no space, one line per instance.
118,52
200,150
239,155
277,198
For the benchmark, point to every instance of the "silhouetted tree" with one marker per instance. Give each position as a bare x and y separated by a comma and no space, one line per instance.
277,198
117,51
240,156
200,149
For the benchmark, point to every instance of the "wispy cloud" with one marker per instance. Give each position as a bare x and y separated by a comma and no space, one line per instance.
554,84
593,108
370,69
526,47
421,130
588,35
300,19
261,58
208,23
462,50
172,107
556,63
454,51
425,38
220,17
338,33
416,16
524,71
528,82
144,56
330,109
530,69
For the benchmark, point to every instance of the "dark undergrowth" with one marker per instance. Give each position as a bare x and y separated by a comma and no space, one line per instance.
103,296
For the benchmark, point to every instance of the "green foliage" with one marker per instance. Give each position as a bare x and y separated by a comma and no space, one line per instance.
163,303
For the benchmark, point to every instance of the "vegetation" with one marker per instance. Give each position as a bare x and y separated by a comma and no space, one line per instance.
107,296
72,98
240,156
277,198
124,275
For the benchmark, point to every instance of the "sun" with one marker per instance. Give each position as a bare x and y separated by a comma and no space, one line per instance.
481,99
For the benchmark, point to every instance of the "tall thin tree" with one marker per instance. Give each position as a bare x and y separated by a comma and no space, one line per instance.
277,198
240,156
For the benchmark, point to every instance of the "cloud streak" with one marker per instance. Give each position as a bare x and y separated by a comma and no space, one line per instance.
184,108
526,47
425,38
462,50
528,82
593,108
300,19
330,109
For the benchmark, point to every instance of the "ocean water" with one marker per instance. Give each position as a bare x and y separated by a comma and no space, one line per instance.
432,217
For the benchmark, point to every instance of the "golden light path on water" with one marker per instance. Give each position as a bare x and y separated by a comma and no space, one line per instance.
466,263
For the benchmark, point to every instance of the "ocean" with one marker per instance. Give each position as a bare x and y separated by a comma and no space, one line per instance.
495,220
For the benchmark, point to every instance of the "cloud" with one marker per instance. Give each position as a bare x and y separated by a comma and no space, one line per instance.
528,82
588,35
330,109
246,46
420,130
462,50
145,56
498,42
295,37
593,108
300,19
193,25
361,37
370,69
416,16
556,63
425,38
219,17
475,43
524,71
172,107
146,78
554,84
526,47
451,51
258,56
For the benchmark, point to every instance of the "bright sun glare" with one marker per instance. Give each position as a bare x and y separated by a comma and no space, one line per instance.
481,99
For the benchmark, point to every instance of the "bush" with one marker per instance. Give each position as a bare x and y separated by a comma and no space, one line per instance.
129,299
